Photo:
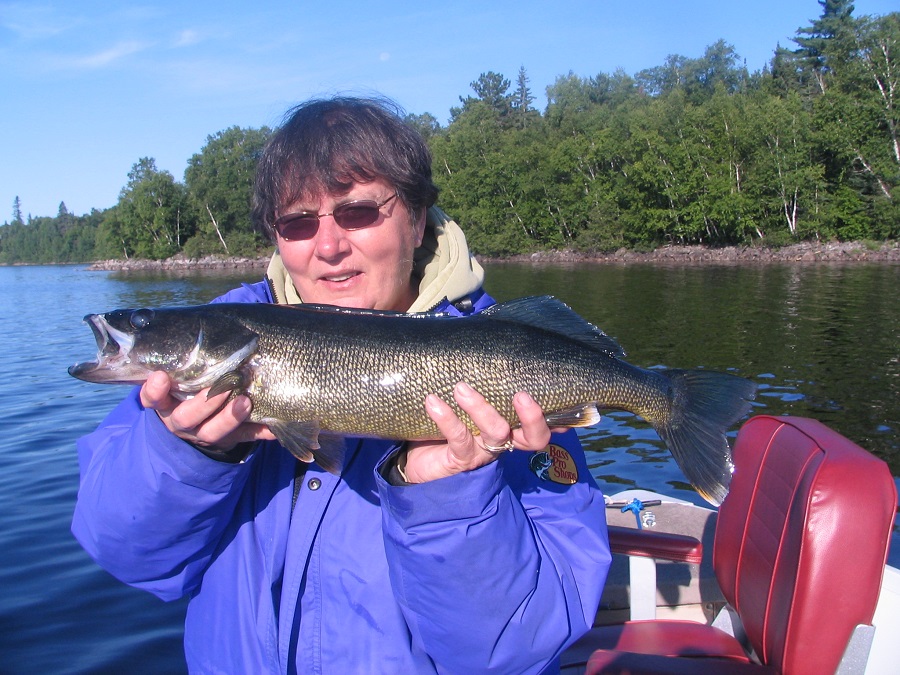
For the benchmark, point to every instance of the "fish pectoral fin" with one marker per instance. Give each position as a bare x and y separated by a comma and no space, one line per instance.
230,381
586,415
304,441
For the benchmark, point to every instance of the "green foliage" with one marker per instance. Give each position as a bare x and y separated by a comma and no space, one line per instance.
152,219
219,181
49,240
696,78
426,124
695,150
491,91
17,212
828,45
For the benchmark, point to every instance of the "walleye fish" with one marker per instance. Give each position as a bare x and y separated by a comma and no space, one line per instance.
315,373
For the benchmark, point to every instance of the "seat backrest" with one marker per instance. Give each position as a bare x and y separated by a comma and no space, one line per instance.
802,539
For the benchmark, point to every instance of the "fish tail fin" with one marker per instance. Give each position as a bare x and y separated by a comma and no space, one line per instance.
705,404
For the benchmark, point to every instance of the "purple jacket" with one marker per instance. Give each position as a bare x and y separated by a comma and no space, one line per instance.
494,570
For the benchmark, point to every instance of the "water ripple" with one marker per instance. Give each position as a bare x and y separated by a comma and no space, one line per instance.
819,341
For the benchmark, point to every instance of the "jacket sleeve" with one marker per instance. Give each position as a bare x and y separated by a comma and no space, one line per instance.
496,569
151,509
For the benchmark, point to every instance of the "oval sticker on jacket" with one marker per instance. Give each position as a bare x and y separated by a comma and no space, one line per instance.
554,464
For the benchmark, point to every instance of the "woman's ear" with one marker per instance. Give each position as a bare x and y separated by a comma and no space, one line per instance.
420,227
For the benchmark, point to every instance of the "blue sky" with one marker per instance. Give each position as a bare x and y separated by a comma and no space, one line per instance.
88,88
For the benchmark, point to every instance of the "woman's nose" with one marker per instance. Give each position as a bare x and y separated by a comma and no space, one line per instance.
331,238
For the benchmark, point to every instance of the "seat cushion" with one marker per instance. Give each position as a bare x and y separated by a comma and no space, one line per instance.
804,530
613,663
660,637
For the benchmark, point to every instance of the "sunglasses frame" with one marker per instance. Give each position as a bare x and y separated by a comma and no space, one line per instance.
336,213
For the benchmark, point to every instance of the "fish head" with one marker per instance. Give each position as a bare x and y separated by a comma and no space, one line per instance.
195,347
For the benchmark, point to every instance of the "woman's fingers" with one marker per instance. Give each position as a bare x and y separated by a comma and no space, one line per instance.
215,422
493,429
533,432
465,449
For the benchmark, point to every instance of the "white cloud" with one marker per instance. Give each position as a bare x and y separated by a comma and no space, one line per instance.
33,22
107,57
186,38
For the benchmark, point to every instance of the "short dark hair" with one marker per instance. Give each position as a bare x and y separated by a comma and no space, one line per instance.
325,146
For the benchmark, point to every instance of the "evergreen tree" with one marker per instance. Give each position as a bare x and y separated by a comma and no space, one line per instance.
521,100
17,212
64,219
491,89
829,42
786,72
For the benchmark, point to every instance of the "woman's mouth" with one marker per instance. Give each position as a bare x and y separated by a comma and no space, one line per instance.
339,278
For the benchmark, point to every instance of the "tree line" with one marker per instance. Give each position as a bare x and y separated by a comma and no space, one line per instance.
696,150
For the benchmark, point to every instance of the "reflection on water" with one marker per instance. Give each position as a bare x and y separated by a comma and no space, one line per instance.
821,341
59,612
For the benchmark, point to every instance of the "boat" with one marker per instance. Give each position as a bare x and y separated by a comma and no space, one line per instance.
790,575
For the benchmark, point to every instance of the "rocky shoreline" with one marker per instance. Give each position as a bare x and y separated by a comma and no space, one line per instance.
805,252
179,263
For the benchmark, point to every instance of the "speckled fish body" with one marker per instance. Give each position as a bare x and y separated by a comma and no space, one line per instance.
312,370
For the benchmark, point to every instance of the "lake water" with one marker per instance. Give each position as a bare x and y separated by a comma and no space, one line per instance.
821,341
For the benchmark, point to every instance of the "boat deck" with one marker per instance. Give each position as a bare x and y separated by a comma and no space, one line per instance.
684,591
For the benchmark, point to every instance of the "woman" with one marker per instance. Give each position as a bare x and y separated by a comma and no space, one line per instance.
420,557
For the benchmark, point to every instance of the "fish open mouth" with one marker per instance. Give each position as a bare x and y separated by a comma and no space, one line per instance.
113,363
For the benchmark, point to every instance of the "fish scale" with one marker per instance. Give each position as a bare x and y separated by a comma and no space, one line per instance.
359,391
314,371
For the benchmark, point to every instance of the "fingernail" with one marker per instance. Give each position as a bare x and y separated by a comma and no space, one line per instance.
432,402
242,406
524,397
464,389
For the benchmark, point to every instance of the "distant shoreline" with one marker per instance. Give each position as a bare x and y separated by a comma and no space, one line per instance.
804,252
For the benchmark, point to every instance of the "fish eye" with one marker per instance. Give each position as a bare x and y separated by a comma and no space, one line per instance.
141,318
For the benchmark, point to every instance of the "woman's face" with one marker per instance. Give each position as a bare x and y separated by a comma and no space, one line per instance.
367,268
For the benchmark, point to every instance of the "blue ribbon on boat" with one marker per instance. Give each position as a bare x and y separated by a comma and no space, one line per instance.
636,506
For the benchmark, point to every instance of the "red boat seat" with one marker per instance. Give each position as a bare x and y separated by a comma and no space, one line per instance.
800,548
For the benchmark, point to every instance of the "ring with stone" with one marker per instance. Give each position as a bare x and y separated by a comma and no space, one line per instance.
497,450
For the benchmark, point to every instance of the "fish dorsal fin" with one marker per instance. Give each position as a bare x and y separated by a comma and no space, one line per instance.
551,314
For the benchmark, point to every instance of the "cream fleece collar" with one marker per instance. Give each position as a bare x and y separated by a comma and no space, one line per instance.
443,264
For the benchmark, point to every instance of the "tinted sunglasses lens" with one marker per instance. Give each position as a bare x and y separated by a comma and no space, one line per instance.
297,228
356,215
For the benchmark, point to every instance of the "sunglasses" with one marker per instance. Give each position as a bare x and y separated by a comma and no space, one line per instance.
354,215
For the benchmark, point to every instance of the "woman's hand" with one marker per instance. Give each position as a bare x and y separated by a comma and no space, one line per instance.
216,424
465,451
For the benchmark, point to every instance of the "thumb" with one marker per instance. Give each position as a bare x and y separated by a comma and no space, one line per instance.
155,391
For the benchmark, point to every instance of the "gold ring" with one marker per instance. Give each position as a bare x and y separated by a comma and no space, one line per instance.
497,450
